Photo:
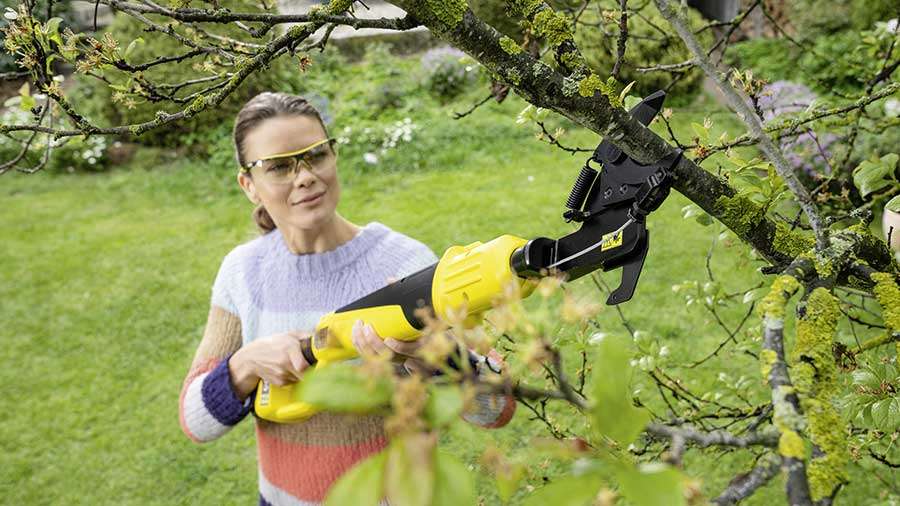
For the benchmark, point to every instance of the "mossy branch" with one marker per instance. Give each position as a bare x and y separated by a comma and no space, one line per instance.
788,415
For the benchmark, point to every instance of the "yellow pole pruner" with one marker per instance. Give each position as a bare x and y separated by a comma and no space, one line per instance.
611,204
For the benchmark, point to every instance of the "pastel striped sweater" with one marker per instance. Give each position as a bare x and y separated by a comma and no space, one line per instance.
263,289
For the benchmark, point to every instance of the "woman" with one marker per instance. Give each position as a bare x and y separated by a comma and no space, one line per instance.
270,292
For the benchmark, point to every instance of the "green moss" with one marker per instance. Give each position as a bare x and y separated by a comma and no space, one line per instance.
553,26
573,60
789,424
339,6
772,305
829,434
448,12
524,8
589,85
790,444
791,242
813,361
510,46
739,213
767,359
814,373
888,295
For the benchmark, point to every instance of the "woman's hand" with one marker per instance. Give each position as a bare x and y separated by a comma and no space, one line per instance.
276,359
368,342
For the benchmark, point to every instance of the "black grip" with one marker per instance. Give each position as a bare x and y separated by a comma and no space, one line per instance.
410,293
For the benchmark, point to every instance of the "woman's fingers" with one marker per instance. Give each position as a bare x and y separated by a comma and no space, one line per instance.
298,363
407,348
367,341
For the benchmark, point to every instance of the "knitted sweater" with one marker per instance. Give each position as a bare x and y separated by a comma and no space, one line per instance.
262,288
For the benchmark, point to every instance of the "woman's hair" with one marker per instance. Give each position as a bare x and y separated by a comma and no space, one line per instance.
259,108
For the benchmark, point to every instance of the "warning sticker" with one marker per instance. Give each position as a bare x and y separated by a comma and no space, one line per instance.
611,240
264,394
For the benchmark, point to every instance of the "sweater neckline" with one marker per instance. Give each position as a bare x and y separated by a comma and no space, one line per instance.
317,265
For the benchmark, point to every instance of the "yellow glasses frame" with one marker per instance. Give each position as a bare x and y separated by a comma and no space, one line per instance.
299,152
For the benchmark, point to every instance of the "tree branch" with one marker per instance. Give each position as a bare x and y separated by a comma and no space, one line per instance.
739,103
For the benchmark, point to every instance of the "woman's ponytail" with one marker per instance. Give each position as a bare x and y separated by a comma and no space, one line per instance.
263,220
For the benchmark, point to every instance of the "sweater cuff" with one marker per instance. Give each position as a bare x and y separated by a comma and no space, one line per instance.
219,397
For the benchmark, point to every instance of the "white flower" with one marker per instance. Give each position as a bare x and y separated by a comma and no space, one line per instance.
370,158
530,179
59,78
10,14
664,351
891,25
596,337
892,107
92,160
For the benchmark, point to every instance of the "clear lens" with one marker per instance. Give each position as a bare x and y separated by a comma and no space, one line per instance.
284,169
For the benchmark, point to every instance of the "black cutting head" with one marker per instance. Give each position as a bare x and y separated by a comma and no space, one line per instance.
611,205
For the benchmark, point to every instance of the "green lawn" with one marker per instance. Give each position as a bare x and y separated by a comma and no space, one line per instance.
105,283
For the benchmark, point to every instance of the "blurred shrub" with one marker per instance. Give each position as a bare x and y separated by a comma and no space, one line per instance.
813,18
68,154
756,54
650,43
448,72
838,63
809,153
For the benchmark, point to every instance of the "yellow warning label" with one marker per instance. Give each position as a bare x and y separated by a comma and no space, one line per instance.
611,240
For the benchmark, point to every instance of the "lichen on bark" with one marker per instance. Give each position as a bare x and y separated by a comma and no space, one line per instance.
772,305
510,46
792,243
814,373
888,295
739,213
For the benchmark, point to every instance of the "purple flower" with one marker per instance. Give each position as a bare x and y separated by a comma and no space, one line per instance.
809,151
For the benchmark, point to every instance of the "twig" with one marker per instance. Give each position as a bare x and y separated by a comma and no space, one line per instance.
739,103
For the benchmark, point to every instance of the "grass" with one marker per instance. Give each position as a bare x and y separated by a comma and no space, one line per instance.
105,282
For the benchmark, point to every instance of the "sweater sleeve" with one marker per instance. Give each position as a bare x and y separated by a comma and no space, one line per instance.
490,410
208,405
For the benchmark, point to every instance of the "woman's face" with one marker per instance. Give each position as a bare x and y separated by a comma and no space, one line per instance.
289,203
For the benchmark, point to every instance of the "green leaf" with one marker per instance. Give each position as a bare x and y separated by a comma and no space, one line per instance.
26,101
453,483
508,481
131,46
875,173
652,485
893,205
567,491
361,485
343,387
444,405
886,414
880,413
694,211
701,131
754,294
613,413
409,476
51,29
866,378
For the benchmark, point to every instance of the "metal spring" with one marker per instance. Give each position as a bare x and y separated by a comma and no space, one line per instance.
580,189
